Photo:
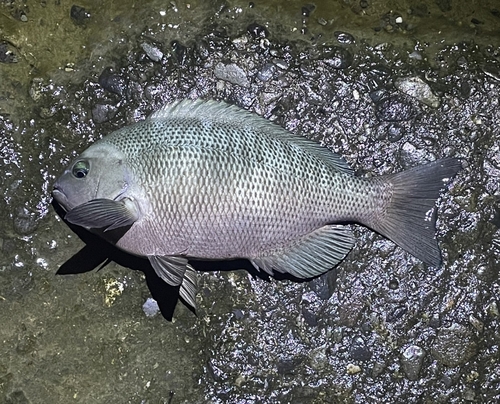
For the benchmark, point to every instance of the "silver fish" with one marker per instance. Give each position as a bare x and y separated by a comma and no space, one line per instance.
203,179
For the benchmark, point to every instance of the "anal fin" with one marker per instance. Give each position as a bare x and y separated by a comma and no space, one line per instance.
189,287
310,256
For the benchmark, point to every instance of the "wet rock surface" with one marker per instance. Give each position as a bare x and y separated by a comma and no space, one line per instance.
381,327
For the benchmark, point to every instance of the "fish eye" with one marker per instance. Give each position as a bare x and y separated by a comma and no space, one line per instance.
80,169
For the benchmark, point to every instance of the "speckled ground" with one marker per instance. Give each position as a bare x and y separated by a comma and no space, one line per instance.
388,86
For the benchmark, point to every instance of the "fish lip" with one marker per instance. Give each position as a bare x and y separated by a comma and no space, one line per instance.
60,197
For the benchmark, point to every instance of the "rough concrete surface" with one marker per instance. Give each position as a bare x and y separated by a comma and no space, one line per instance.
386,84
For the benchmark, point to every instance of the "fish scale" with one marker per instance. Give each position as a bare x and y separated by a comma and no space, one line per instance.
207,180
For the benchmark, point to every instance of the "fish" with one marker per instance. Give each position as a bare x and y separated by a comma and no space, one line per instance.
208,180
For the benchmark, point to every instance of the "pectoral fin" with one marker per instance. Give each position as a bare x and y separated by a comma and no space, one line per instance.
310,256
104,214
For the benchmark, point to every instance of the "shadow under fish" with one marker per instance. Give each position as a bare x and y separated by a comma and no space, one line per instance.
98,253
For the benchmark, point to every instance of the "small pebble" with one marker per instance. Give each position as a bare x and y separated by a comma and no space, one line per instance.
337,57
231,73
359,351
112,82
353,369
344,37
103,113
417,88
152,52
257,31
266,72
150,307
454,345
25,222
412,360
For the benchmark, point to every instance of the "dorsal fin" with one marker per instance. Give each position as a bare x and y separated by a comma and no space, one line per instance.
219,111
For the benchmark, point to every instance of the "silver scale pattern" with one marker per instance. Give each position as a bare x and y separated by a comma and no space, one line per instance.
234,184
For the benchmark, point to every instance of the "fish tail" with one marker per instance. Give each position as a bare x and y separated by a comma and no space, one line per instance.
409,219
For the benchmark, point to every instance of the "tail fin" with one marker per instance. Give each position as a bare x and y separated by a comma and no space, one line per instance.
409,220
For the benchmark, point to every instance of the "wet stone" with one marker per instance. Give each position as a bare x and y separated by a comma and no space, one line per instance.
396,314
465,89
444,5
309,70
17,397
203,49
336,57
377,95
395,109
287,366
378,369
281,64
394,132
417,88
20,14
257,31
110,81
318,358
308,9
266,72
324,285
103,113
79,14
7,54
152,52
344,37
150,307
180,52
454,346
412,360
358,350
231,73
309,317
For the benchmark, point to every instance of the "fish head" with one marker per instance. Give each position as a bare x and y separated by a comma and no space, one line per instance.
100,172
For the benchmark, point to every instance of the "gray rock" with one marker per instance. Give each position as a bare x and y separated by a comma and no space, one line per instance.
153,52
359,350
150,307
231,73
266,72
103,113
337,57
417,88
411,361
454,346
112,82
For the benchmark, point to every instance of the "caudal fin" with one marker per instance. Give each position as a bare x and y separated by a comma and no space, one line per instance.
409,220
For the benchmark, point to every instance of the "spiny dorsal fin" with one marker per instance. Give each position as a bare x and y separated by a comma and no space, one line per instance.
219,111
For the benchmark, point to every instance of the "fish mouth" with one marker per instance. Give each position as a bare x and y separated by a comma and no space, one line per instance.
60,197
